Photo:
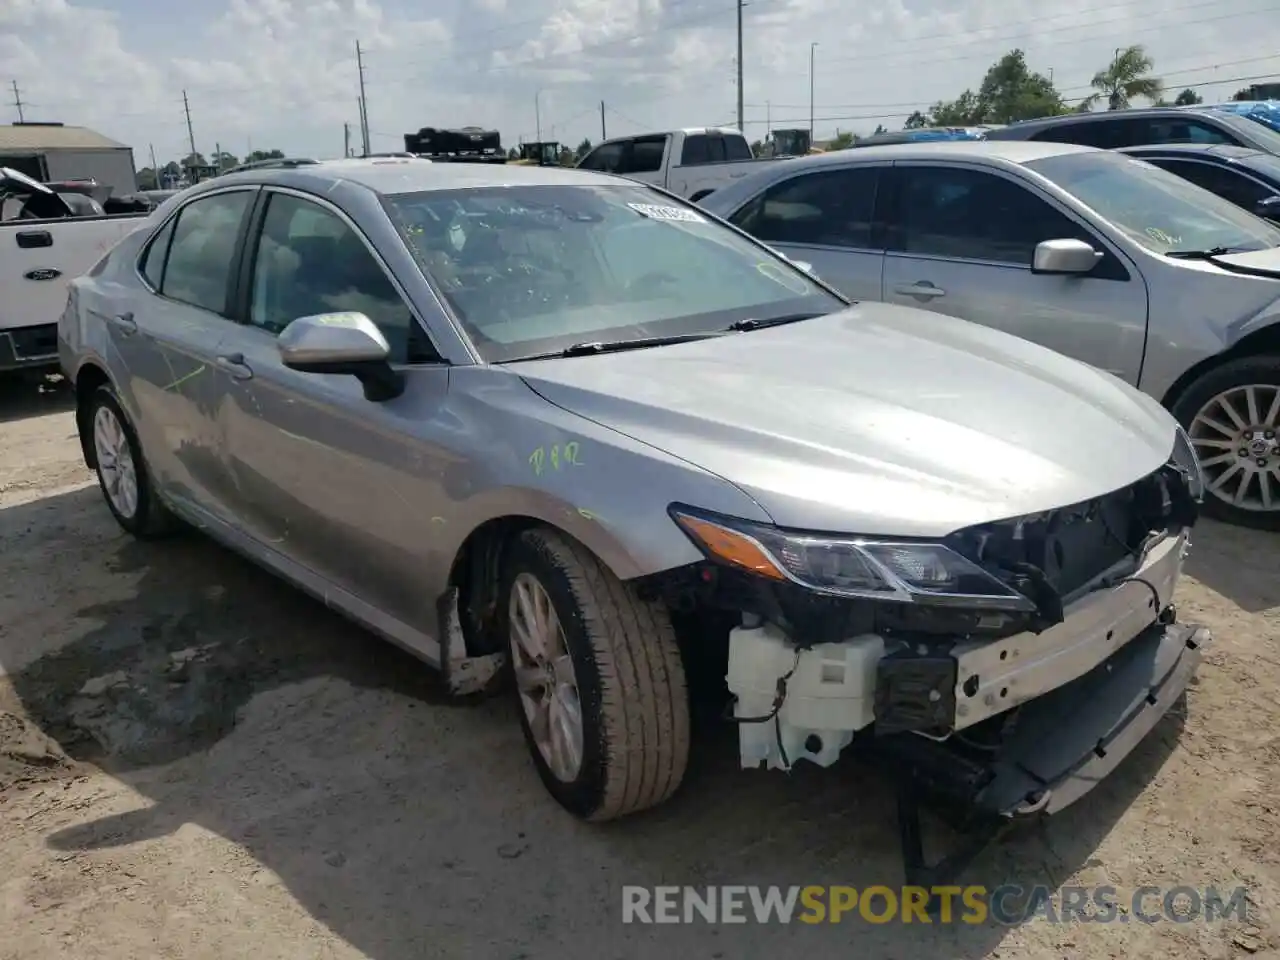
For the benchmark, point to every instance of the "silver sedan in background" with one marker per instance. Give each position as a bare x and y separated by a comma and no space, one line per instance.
1099,256
534,419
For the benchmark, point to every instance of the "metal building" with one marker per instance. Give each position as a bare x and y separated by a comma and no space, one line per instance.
55,151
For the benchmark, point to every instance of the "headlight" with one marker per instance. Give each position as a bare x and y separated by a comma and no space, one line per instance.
849,566
1187,460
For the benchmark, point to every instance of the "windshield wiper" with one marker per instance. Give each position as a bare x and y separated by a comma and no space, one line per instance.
755,323
590,347
1201,254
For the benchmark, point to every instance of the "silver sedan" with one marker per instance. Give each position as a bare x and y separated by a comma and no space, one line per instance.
1102,257
526,421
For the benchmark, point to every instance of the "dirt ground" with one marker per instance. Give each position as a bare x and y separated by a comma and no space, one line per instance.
196,761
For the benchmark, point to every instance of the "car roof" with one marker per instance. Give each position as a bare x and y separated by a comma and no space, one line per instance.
1010,151
1099,115
403,175
1227,151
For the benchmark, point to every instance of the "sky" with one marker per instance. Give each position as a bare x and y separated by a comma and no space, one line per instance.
283,74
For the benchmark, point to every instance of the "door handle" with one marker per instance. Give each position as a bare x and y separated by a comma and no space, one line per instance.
921,289
125,323
233,363
30,239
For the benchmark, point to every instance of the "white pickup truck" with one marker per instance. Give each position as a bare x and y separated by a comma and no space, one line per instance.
44,245
692,163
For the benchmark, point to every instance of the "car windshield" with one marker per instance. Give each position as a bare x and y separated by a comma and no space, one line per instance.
1158,209
1267,164
531,270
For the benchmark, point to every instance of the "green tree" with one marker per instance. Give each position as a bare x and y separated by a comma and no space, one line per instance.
257,155
841,141
915,121
1010,91
225,161
1187,98
583,148
1244,93
880,128
757,148
1126,77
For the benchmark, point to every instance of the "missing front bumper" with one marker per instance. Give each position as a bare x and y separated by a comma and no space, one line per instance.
1069,740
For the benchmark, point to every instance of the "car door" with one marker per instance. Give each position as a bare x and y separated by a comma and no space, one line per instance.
348,488
166,335
961,240
824,218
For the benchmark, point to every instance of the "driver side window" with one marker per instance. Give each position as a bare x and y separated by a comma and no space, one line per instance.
309,261
964,214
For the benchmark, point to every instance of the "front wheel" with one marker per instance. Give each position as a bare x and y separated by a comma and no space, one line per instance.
1232,415
598,675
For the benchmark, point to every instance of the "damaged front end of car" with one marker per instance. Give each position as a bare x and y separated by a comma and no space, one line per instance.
1004,669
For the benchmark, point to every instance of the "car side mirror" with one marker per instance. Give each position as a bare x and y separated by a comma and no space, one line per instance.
342,343
1269,207
1064,257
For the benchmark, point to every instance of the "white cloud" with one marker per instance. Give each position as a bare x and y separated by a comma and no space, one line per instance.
282,73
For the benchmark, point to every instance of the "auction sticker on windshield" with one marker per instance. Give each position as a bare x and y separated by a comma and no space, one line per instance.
658,212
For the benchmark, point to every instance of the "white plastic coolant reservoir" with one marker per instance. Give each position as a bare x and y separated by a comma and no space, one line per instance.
830,696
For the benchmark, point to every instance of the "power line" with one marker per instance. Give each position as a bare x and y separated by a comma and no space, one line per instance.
922,107
1164,74
1075,41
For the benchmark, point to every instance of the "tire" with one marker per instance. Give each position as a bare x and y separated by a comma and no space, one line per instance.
630,681
147,518
1203,397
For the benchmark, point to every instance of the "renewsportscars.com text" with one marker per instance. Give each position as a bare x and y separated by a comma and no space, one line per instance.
1008,904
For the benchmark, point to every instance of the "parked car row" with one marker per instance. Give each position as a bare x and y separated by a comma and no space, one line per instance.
569,426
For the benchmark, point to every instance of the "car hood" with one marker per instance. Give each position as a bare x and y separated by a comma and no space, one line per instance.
878,419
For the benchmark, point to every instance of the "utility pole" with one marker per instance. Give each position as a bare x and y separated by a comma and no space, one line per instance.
155,166
191,137
17,102
812,47
364,103
346,139
741,127
537,114
217,155
603,135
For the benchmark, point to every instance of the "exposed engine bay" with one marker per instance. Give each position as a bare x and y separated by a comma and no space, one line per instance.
1006,712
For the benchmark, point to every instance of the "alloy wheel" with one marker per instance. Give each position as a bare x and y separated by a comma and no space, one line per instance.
545,678
115,462
1237,437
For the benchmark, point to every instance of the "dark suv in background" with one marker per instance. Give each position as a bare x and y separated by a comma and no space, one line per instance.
1131,128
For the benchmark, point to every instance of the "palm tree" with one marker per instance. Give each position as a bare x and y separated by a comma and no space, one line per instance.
1124,78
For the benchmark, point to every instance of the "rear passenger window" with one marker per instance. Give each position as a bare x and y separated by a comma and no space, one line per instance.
645,155
696,150
736,148
153,259
202,254
831,208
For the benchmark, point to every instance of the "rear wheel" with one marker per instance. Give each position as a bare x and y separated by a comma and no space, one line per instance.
122,470
598,676
1232,415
